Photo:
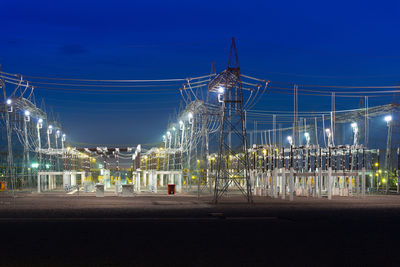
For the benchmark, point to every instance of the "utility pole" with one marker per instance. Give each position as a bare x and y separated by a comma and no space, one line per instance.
228,85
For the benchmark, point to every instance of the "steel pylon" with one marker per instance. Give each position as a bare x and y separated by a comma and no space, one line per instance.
233,159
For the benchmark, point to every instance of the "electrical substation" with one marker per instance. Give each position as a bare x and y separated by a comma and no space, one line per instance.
218,145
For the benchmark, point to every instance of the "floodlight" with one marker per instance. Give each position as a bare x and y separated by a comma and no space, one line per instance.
388,118
290,140
221,89
9,101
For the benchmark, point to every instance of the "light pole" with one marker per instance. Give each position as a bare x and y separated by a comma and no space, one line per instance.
388,120
10,170
182,128
63,138
190,121
27,118
174,146
169,146
49,132
57,135
39,126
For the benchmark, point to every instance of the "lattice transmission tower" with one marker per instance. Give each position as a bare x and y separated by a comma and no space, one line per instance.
233,159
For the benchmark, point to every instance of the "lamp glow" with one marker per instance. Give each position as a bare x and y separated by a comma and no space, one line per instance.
388,118
27,113
221,89
290,140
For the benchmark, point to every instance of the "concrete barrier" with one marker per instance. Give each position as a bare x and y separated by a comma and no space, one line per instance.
127,190
99,190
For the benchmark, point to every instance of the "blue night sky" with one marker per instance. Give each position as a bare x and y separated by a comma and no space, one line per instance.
304,42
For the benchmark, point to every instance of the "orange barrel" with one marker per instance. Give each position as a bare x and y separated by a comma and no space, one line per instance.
3,186
171,189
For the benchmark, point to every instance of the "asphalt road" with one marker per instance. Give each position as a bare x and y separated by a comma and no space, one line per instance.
67,230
